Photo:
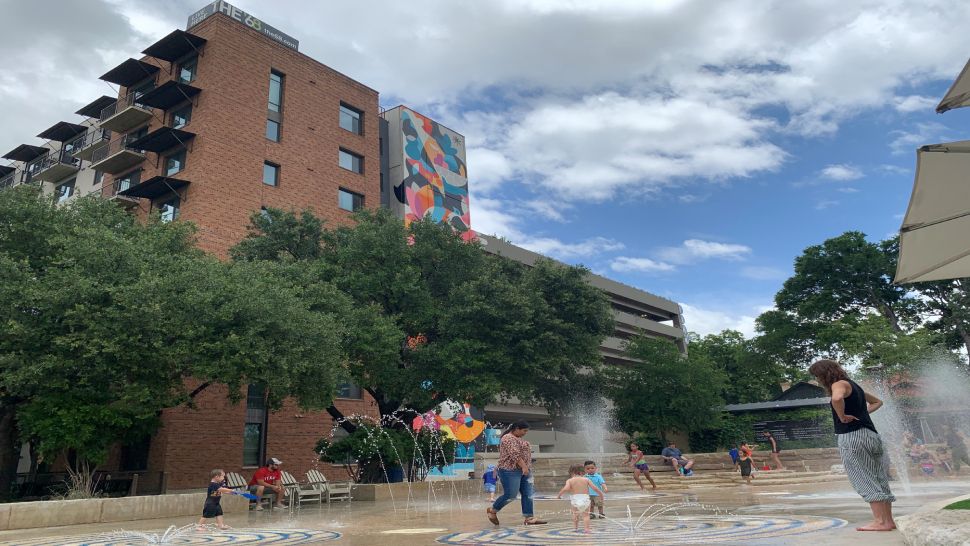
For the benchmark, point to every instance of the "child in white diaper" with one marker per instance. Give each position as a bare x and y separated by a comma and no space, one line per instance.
579,486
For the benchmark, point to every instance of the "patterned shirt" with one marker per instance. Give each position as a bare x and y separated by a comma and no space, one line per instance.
513,449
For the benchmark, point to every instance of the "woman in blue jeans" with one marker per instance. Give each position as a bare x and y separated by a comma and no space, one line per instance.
514,456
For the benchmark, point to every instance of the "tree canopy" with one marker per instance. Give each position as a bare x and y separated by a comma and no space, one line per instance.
106,321
444,319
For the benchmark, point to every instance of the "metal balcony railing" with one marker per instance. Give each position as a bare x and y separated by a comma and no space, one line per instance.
53,159
8,180
129,100
113,147
94,136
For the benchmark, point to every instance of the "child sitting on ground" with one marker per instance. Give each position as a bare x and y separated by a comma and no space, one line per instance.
212,507
595,500
490,479
579,486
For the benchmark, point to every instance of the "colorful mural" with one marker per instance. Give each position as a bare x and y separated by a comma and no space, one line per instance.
454,420
435,180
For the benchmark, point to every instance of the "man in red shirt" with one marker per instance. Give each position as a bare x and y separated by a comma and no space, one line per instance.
268,477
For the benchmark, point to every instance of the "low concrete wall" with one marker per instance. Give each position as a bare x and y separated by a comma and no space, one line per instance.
55,513
934,526
418,490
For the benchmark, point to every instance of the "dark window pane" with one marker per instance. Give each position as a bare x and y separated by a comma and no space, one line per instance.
349,390
350,119
272,130
351,162
252,444
270,174
64,191
174,163
182,116
275,92
188,69
348,200
170,210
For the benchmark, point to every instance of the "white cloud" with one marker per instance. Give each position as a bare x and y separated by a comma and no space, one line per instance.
695,250
764,273
894,169
906,142
548,246
706,321
551,210
826,204
915,103
841,172
626,264
847,190
689,198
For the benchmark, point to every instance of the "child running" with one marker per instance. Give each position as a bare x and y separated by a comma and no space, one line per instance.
635,459
490,479
596,501
212,507
579,487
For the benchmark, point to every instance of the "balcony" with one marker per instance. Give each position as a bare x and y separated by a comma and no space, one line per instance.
55,166
113,192
117,156
125,114
8,177
94,140
155,187
94,108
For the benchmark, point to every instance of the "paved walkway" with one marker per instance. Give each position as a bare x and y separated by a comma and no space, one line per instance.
797,514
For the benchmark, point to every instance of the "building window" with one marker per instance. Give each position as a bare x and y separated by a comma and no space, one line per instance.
350,119
271,174
351,161
349,390
174,163
273,130
126,181
275,91
182,116
64,191
141,89
170,209
254,432
188,69
349,200
98,177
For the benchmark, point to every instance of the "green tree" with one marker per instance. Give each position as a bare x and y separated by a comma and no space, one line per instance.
107,321
453,321
752,375
666,391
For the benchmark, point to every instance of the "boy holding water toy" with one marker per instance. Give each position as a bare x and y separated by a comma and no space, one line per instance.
595,500
212,507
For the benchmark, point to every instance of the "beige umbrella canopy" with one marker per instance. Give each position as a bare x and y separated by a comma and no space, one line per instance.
959,93
934,241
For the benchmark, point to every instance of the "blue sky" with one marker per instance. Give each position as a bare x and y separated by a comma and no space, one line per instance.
689,148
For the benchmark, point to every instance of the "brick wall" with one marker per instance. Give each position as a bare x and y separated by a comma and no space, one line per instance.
225,169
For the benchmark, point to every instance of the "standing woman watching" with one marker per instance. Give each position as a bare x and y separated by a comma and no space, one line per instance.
514,457
775,450
860,446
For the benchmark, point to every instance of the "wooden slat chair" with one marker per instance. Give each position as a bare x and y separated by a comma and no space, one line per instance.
297,492
318,481
236,482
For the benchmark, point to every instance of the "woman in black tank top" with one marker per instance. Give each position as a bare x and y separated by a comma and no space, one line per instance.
860,446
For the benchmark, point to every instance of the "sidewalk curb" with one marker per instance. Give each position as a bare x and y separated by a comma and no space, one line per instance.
933,526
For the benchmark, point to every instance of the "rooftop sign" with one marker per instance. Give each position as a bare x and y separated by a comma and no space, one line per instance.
219,6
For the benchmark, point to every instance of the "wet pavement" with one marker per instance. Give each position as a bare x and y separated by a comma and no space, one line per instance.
824,513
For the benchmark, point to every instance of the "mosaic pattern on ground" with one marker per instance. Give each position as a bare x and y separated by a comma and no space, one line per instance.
262,537
662,530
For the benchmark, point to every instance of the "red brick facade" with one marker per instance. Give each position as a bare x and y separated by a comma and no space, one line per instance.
224,166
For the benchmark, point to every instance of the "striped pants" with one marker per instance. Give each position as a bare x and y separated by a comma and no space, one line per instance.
864,459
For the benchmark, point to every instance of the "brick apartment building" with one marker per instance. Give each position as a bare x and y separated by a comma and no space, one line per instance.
215,123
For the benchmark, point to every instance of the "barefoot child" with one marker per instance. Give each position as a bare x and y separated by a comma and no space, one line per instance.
490,479
212,508
745,462
596,501
635,459
579,486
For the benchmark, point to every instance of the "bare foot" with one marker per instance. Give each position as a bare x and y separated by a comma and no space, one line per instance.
655,488
876,527
224,528
200,528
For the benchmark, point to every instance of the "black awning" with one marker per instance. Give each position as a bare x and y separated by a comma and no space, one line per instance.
168,95
94,109
159,140
26,152
155,186
130,72
5,170
63,131
175,46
